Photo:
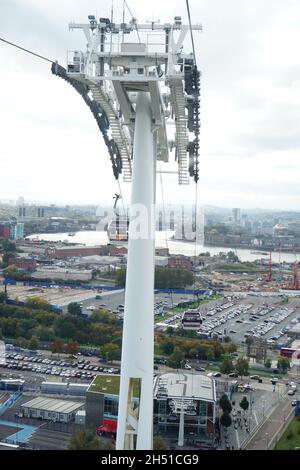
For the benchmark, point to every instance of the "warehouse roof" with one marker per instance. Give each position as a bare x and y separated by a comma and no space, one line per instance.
51,404
188,386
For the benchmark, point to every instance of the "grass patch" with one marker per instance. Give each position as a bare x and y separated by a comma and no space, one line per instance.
109,384
291,437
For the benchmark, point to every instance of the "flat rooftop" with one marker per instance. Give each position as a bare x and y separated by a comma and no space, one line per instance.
187,386
51,404
110,385
295,329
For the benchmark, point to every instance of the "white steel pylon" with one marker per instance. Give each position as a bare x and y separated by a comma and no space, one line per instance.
138,344
135,89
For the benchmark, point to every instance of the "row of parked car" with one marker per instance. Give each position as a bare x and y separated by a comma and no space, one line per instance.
268,324
209,325
81,369
219,308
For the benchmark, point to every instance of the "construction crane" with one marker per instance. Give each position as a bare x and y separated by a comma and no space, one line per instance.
269,277
295,285
138,90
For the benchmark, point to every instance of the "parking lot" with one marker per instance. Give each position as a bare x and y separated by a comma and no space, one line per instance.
268,319
115,300
36,369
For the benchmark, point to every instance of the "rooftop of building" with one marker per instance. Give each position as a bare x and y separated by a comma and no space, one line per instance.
110,385
295,328
187,386
52,404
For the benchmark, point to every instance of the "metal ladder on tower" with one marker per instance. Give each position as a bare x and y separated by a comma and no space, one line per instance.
181,138
117,131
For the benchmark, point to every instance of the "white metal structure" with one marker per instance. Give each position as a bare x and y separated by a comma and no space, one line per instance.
138,83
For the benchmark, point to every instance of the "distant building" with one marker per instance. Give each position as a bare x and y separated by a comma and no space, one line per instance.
161,261
236,214
180,262
23,263
280,230
5,231
73,252
17,231
191,320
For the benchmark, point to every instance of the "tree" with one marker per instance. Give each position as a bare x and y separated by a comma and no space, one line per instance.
244,404
74,308
3,297
225,404
57,346
111,351
176,358
159,443
7,245
232,257
226,419
268,364
226,366
85,439
283,364
72,347
242,366
167,347
38,303
34,343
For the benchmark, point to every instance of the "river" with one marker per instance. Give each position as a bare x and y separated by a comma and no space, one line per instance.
91,238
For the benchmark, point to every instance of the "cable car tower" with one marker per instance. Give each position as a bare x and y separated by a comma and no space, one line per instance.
143,91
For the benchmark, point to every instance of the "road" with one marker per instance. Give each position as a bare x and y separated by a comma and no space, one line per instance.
265,437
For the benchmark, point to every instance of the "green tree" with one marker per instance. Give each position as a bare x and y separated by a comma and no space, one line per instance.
74,308
268,364
232,257
159,443
167,347
244,404
38,303
226,420
176,358
242,366
34,343
3,297
225,404
7,245
111,351
85,439
283,364
226,366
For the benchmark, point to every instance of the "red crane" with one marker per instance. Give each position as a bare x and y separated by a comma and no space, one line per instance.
296,283
269,277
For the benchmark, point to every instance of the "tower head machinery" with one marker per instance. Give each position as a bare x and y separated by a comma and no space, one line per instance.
119,61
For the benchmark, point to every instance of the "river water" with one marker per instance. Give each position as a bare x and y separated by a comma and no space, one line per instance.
91,238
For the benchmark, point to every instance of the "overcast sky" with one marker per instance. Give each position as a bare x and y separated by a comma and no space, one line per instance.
51,149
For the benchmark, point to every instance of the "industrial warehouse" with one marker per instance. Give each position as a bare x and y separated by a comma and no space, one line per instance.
62,411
